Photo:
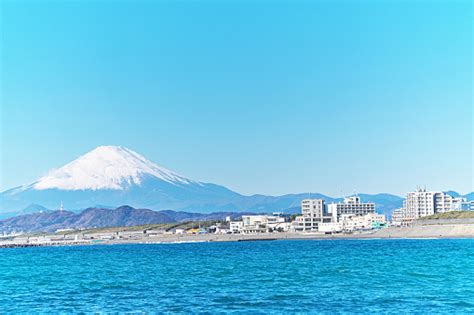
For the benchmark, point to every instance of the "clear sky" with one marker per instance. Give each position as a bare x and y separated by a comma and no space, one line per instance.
268,97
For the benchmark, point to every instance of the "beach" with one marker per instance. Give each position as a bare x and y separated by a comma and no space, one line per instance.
457,230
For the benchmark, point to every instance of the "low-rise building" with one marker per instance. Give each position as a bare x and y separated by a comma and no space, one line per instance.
222,230
100,236
352,222
236,227
193,230
259,223
377,220
330,227
154,232
279,227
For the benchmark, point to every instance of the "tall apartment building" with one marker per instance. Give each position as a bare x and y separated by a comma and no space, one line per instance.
313,208
350,205
421,203
312,214
445,202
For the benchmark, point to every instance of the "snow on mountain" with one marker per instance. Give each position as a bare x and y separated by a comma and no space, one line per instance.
115,176
107,167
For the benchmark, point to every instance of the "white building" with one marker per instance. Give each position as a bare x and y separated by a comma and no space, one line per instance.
461,204
281,226
330,227
350,205
352,222
312,214
154,232
397,217
221,230
259,223
421,203
236,227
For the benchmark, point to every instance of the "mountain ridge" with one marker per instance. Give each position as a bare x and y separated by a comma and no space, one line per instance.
51,221
114,176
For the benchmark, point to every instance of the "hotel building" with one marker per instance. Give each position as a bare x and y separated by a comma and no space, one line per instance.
252,224
350,205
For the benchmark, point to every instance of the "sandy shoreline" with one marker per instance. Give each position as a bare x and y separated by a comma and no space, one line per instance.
438,231
420,232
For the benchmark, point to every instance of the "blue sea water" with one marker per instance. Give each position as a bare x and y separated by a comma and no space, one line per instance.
337,276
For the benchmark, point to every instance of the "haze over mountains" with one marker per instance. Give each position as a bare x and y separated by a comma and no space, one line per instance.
113,176
50,221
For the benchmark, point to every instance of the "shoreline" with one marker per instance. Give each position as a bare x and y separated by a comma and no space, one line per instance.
455,231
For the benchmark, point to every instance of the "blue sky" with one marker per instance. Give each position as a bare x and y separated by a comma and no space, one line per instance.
266,97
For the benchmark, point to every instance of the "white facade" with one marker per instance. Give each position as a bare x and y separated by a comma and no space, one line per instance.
461,204
222,230
312,208
397,217
351,205
418,204
330,227
236,226
421,203
260,223
352,222
279,226
312,214
314,218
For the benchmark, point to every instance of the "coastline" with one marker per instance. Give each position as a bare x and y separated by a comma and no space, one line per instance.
445,231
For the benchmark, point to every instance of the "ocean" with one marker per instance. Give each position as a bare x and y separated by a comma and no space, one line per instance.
310,276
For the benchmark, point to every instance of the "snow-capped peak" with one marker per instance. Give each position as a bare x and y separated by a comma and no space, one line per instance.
107,167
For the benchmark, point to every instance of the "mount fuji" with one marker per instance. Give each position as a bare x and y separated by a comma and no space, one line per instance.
111,176
115,175
108,167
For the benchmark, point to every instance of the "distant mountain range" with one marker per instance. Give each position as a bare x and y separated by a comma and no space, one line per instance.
114,176
51,221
